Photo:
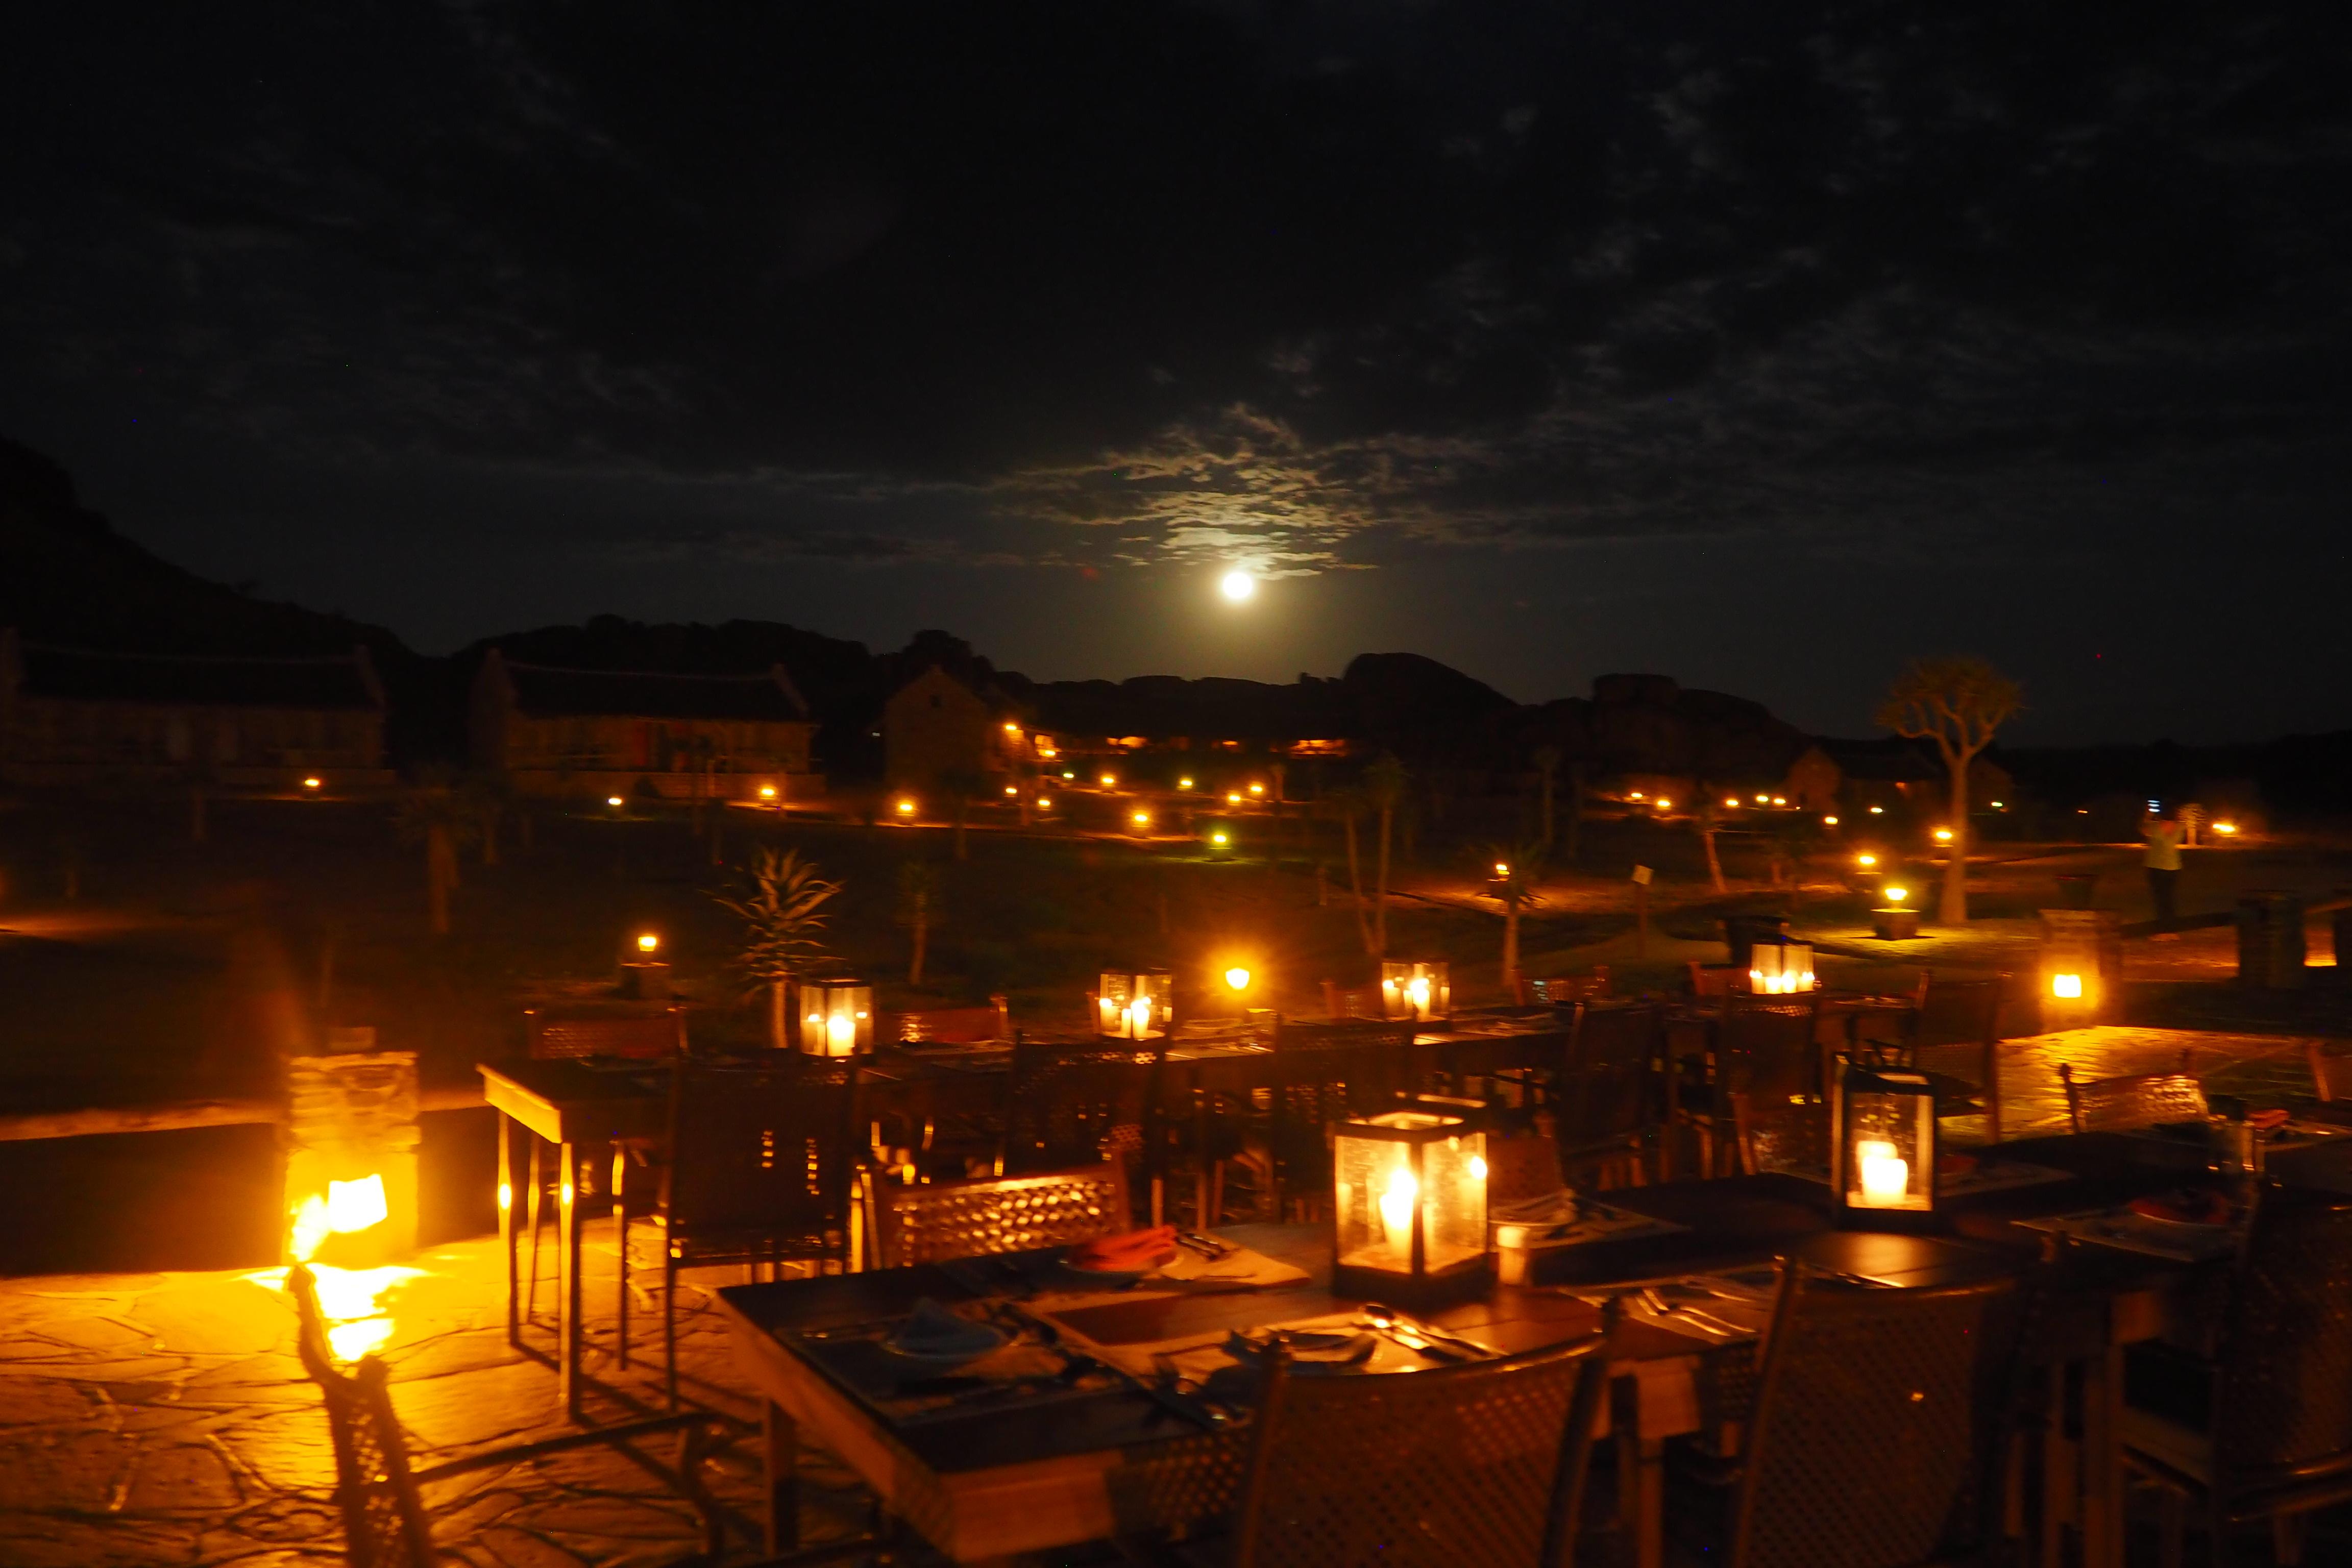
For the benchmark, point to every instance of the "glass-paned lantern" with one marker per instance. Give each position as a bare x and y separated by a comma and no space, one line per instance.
1409,1206
836,1018
1420,992
1135,1004
1781,968
1884,1160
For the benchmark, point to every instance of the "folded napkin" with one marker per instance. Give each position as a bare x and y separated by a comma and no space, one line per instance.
1129,1252
1238,1268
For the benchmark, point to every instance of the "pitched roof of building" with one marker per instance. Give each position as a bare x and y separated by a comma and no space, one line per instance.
545,691
338,681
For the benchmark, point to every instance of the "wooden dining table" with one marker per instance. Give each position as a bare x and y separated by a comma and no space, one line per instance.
1004,1482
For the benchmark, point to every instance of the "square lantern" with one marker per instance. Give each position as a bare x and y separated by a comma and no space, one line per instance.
1135,1006
1883,1162
1420,992
1409,1206
1781,968
836,1018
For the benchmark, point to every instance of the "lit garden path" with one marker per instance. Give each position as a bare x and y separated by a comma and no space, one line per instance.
163,1418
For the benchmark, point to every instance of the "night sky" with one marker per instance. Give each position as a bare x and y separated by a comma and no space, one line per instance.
1766,345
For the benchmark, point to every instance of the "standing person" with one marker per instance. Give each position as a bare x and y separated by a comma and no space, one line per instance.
2163,858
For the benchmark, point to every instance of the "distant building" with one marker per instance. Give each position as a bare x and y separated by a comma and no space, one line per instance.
936,726
592,732
78,716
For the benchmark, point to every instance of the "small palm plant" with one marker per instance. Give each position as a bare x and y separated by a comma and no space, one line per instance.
782,912
1513,871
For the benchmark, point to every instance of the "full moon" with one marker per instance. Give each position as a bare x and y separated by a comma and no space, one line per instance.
1238,585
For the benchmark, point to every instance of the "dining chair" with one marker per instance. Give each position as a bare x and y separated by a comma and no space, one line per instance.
945,1220
2331,1075
1604,1100
2130,1101
1070,1105
1958,1025
2262,1428
760,1170
378,1492
1877,1439
1713,980
1476,1466
954,1026
1565,989
1760,1097
1321,1074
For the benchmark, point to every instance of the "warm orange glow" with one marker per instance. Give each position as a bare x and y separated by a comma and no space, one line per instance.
311,784
1732,800
2226,829
1896,895
1829,822
1141,819
613,801
1878,811
767,792
905,808
1865,860
1233,797
2069,986
1045,803
1011,729
1184,784
1013,789
1237,585
1502,867
1219,837
648,942
1762,799
1943,836
1109,779
1257,789
1665,804
1779,800
1237,977
1636,795
506,1195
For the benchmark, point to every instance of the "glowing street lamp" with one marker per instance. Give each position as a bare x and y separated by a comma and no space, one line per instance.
1731,802
648,943
905,807
1865,860
1943,836
1233,797
1109,780
1829,822
1896,895
2226,829
1257,789
1185,783
1142,821
314,783
613,801
1045,803
767,792
1878,811
1665,804
1237,979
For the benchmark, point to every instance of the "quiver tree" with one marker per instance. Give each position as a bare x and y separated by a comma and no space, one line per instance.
783,910
1957,703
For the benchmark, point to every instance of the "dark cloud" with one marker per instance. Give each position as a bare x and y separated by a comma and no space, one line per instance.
1315,286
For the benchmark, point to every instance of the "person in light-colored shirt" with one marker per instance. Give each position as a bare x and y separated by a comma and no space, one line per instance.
2163,860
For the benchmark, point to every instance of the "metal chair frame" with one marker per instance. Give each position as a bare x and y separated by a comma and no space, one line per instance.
2131,1100
946,1220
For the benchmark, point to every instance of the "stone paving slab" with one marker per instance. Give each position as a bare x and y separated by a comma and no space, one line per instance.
164,1418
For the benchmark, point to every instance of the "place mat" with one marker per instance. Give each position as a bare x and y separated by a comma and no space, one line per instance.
1024,1371
2128,1231
1226,1366
1566,1219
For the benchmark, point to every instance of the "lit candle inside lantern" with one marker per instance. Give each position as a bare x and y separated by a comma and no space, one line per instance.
1886,1175
2066,985
841,1035
1419,992
1139,1017
1396,1207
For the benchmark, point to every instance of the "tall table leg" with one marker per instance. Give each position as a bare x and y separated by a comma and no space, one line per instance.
783,1440
567,1256
506,1226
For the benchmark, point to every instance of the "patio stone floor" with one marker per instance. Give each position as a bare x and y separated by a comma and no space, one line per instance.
163,1418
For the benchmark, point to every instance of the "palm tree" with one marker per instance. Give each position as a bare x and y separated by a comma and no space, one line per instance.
918,896
1547,760
436,811
782,911
1384,784
1349,804
1514,869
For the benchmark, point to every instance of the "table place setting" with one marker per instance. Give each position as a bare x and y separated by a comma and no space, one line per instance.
2188,1224
1529,1229
1731,1307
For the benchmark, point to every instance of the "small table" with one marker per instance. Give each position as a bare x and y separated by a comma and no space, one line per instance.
567,1102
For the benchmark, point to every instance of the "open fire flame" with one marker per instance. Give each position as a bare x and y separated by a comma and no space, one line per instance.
352,1300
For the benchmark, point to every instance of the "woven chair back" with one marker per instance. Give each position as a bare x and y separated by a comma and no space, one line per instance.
639,1036
1876,1427
948,1220
1075,1105
1770,1047
1607,1084
1961,1012
2131,1100
383,1522
1324,1073
2283,1403
759,1154
2331,1075
1468,1466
